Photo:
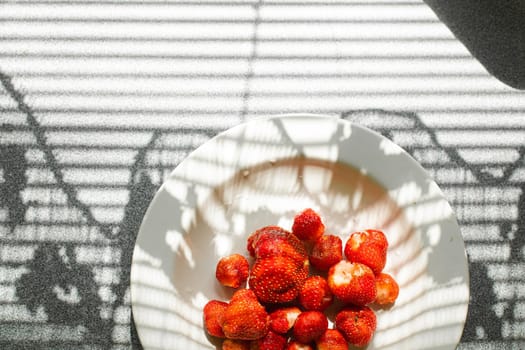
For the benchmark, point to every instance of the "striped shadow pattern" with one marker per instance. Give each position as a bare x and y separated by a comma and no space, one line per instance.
101,99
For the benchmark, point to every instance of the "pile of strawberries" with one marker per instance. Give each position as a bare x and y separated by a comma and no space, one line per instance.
295,278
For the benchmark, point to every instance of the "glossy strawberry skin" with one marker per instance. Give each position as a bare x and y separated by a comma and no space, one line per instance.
212,313
277,279
367,247
309,326
332,339
245,318
232,271
280,278
352,283
307,225
283,319
263,233
387,289
315,294
271,341
289,246
357,324
326,251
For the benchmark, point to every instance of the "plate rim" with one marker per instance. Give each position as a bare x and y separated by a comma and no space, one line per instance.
337,119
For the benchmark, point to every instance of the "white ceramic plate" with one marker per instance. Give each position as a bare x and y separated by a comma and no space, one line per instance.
263,173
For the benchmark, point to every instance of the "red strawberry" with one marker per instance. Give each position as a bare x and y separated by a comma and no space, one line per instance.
250,244
264,233
315,294
367,247
309,326
244,318
307,225
295,345
232,271
332,339
234,344
352,283
387,289
271,341
213,311
273,240
289,246
357,324
327,250
283,319
277,279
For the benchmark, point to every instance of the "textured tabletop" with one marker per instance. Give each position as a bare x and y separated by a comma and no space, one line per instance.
101,99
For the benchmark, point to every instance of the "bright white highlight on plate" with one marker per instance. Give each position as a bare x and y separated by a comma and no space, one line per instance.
390,148
199,300
176,189
141,255
238,225
408,193
315,179
346,132
178,244
358,196
187,219
434,234
223,244
428,212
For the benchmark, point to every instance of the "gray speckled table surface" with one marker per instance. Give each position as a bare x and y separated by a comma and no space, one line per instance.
100,100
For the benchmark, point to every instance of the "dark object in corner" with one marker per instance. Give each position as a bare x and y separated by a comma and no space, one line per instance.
492,30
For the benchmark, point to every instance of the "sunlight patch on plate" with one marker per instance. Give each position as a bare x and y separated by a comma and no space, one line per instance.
263,173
